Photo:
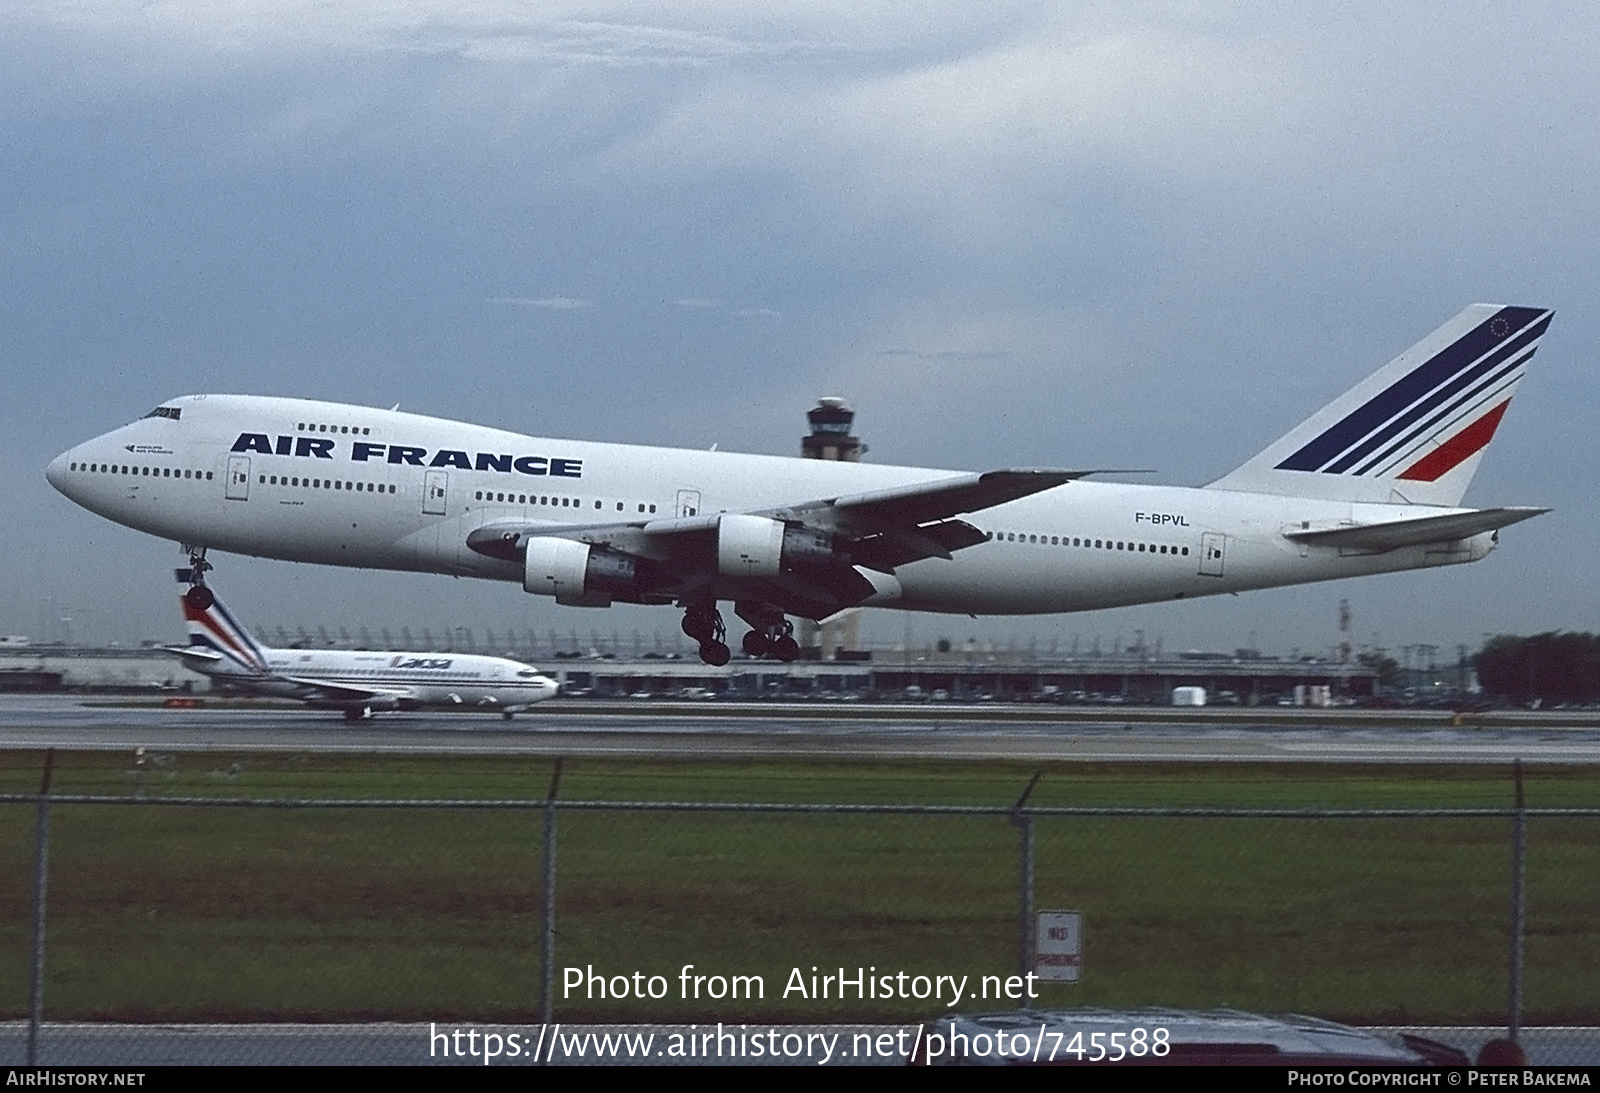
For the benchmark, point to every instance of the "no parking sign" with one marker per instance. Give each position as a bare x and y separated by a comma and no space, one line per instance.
1058,952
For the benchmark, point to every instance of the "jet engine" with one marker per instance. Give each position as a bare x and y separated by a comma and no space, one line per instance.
576,574
754,546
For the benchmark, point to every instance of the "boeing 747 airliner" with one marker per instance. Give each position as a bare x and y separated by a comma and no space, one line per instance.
1371,483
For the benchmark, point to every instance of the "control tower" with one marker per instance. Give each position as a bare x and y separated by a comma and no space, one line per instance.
830,432
830,439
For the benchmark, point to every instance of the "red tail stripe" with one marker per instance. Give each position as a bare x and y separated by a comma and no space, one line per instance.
1458,449
204,619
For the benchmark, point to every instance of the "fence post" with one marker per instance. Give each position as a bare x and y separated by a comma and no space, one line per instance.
547,925
41,871
1519,893
1024,821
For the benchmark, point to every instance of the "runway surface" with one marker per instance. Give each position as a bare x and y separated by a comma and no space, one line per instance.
722,731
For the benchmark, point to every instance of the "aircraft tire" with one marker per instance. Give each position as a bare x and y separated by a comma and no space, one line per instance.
200,597
715,653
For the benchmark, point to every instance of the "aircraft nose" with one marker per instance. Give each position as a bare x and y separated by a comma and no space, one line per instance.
57,474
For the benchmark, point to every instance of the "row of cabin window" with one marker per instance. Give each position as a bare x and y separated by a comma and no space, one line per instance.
1097,544
306,427
146,472
325,483
535,499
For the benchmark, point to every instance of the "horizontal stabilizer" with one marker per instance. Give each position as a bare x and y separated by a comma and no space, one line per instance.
1394,534
193,652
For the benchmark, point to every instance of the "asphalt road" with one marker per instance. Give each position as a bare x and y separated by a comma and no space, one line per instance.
724,731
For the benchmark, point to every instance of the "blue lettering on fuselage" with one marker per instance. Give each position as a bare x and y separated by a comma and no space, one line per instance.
425,663
447,457
362,451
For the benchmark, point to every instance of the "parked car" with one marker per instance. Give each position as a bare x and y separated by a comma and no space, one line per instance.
1162,1037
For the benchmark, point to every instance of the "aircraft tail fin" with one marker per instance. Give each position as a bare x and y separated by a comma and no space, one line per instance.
1414,431
212,626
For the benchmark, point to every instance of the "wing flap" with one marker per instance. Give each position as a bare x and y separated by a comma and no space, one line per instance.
1394,534
886,550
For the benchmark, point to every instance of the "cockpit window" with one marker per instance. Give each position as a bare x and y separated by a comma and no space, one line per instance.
174,412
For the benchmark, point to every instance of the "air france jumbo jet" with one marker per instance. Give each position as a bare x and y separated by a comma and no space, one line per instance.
1371,483
355,681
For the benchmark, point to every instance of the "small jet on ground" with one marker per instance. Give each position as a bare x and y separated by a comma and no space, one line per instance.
359,682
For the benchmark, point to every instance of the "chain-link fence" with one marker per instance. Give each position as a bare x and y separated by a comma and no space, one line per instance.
154,906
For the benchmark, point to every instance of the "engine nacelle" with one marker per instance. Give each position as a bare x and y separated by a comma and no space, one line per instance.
576,574
754,546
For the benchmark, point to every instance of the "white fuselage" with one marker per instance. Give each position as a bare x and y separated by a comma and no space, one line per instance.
351,486
413,679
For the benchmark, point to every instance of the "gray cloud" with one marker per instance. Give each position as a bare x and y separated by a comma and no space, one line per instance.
549,303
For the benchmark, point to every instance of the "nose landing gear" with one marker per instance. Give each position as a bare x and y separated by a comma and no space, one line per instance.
199,596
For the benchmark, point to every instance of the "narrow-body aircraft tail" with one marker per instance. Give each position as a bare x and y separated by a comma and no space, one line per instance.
214,628
1414,431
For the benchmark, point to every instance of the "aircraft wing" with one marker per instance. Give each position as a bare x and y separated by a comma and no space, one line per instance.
901,507
1394,534
877,530
324,691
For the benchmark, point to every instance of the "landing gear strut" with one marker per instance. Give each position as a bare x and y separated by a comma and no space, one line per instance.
772,636
199,596
703,623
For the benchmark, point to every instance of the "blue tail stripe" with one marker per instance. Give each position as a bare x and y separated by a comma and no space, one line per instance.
1444,392
1419,382
1482,392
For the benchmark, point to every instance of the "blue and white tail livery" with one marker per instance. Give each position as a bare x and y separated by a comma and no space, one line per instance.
214,630
1413,432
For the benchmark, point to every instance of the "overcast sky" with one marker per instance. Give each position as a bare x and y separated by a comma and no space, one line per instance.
1011,234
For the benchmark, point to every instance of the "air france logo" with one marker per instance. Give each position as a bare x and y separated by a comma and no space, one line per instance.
405,455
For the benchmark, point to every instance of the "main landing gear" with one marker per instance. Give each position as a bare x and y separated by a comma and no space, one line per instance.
199,596
772,634
703,623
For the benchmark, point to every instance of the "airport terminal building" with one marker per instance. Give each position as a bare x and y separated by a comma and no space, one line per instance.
965,675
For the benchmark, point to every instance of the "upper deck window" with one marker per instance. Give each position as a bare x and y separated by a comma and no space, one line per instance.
174,412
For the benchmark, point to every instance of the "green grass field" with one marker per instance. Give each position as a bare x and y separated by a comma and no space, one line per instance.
179,914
